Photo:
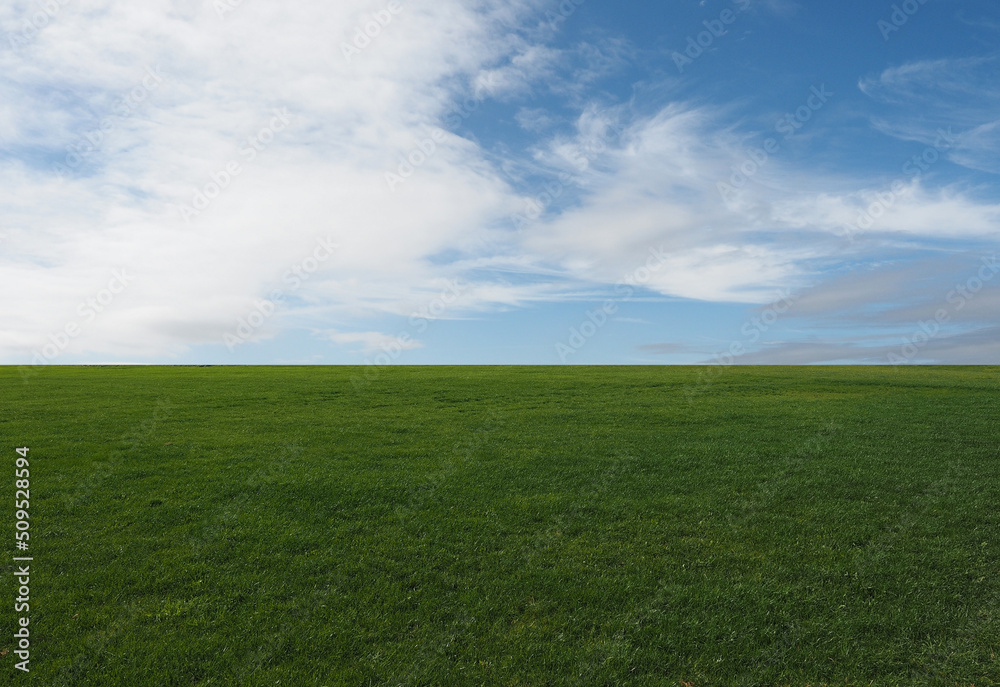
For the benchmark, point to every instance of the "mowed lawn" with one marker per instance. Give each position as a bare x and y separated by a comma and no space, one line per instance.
507,525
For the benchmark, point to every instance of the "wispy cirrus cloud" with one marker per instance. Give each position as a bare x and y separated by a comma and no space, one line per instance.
926,97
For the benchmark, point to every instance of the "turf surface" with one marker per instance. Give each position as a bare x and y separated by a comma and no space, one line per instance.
507,525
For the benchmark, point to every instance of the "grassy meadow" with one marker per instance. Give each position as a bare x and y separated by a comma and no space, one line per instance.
683,526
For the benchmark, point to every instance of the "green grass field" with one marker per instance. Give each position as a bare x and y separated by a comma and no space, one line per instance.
507,526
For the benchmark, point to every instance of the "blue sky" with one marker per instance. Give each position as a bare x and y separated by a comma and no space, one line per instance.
503,181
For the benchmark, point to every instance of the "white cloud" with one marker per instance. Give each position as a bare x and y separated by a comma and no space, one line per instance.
323,174
531,64
649,183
